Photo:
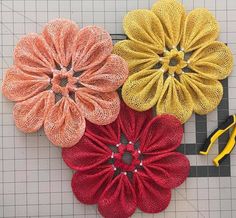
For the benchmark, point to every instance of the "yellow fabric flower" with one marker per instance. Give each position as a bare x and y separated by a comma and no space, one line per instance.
174,60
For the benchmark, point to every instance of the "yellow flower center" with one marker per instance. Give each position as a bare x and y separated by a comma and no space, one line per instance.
173,62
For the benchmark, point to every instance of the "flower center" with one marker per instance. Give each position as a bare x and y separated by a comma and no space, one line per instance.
64,82
127,158
172,62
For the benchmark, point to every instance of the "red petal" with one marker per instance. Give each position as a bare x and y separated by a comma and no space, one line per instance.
169,170
150,197
88,186
107,134
119,199
133,122
163,134
87,154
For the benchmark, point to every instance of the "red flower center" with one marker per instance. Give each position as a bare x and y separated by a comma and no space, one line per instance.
127,158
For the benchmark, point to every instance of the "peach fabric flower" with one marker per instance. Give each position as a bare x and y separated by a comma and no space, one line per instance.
62,77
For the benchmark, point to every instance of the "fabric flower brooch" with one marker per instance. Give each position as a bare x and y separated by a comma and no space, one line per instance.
129,163
174,60
62,77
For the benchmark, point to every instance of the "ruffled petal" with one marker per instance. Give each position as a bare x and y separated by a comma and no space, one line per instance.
141,90
162,134
64,124
33,55
137,56
175,100
109,77
151,198
107,134
98,107
19,86
168,170
214,61
144,28
206,93
172,14
118,199
88,186
88,154
94,45
133,122
200,28
30,114
61,35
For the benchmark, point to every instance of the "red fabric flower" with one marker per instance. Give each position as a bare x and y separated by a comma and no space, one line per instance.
143,180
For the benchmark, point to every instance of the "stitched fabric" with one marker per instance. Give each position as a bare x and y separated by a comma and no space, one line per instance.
174,60
105,177
62,77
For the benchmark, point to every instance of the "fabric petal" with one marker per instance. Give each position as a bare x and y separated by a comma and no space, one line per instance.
143,27
88,154
175,100
118,199
151,198
61,35
88,186
29,115
168,170
97,107
107,134
172,14
206,93
141,90
213,61
200,28
33,56
93,46
64,124
137,56
162,134
133,122
109,77
19,86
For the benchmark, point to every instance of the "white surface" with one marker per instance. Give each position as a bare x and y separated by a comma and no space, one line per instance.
34,181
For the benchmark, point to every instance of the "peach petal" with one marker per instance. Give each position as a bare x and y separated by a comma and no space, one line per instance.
32,55
30,114
19,86
60,34
109,77
64,124
98,108
94,45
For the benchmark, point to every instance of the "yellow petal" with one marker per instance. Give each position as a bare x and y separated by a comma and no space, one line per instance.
214,61
200,28
206,93
141,91
175,100
172,14
144,27
137,56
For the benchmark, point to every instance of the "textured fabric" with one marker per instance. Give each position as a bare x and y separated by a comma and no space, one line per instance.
62,77
174,60
104,176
